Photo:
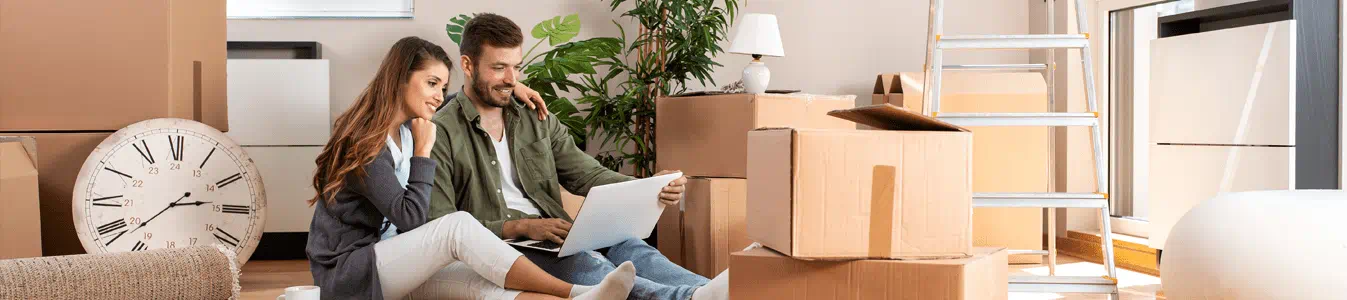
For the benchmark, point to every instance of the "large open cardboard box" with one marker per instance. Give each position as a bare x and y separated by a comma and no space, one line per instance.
707,135
903,191
1005,159
765,274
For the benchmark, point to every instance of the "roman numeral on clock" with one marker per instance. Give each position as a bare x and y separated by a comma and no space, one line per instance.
96,203
203,162
149,157
227,238
140,245
109,228
118,172
176,148
231,179
112,226
234,209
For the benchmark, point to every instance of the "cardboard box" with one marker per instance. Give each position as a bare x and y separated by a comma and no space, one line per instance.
901,192
708,227
886,91
706,135
62,155
148,59
20,223
765,274
1005,159
669,235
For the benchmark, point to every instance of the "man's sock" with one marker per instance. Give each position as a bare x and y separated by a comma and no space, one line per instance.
616,285
717,289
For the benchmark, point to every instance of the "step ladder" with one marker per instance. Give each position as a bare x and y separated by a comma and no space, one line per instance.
937,43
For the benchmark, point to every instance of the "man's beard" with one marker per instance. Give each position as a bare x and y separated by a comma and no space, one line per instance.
488,95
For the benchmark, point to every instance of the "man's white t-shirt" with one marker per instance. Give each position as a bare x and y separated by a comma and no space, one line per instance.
510,186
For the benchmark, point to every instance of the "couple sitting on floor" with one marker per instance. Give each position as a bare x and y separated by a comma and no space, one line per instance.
416,195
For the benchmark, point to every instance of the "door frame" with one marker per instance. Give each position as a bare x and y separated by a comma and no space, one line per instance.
1100,19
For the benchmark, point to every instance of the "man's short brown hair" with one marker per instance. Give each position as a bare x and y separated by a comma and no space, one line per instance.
489,29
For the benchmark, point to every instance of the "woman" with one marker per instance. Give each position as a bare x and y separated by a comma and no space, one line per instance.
364,177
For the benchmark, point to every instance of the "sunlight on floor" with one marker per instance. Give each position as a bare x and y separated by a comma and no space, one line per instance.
1135,286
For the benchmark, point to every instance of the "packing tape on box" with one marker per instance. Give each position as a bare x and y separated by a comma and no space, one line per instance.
881,210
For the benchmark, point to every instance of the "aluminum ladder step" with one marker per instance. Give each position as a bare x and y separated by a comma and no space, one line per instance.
1020,119
1055,200
997,67
1063,284
1027,252
1021,41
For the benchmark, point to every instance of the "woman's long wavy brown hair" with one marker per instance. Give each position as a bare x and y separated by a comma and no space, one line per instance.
358,134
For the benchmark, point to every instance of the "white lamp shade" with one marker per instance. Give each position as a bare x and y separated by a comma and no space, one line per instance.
758,34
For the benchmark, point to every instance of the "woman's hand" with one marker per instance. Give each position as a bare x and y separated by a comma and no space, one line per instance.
423,137
532,99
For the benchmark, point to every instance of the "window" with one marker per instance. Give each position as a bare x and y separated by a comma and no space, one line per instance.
285,9
1129,91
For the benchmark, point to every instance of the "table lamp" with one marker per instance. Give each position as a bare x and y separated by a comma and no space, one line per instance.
757,35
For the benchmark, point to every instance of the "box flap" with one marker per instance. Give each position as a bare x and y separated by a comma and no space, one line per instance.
29,144
890,117
886,83
15,161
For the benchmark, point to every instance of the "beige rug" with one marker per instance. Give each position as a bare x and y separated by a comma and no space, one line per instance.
200,272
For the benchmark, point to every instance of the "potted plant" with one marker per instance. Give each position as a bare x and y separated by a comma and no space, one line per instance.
675,43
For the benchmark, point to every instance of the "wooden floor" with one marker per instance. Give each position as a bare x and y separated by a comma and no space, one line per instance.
267,279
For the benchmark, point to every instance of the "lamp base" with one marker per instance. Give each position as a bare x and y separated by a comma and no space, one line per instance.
756,77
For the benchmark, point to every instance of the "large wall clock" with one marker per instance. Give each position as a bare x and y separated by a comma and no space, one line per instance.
167,183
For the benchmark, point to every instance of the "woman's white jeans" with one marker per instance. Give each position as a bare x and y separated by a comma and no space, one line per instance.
443,259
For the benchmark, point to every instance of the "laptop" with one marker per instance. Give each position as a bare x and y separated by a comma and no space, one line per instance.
611,214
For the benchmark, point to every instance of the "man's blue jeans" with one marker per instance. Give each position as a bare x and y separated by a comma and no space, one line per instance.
657,278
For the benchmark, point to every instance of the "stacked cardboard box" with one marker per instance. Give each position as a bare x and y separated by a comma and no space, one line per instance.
706,137
20,235
1005,159
864,214
148,59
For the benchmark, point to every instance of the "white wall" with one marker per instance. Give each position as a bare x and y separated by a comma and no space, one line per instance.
1205,4
832,47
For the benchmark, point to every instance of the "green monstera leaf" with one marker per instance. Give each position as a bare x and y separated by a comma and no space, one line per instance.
558,30
455,27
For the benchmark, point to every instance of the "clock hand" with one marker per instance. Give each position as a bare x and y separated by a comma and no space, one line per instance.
198,203
170,205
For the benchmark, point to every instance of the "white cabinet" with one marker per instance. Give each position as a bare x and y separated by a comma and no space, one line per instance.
287,173
279,112
1227,87
1222,118
1183,176
279,102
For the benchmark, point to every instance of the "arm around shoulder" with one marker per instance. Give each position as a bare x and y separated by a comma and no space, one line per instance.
577,171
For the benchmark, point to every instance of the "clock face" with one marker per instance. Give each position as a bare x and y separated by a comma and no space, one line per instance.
167,183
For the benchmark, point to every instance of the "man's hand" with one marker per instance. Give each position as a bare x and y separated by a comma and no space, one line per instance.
532,99
673,193
554,230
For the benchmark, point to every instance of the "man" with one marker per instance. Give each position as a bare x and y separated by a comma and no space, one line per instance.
504,167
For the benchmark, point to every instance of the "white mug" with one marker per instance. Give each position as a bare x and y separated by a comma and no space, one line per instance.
303,292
